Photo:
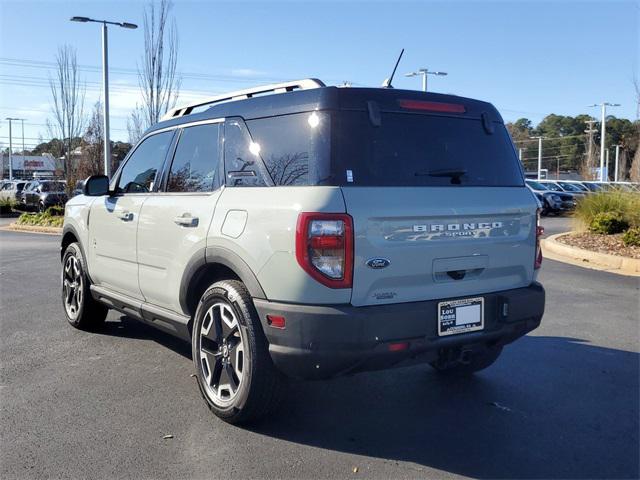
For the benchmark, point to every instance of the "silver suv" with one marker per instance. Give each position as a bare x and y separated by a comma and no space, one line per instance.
303,231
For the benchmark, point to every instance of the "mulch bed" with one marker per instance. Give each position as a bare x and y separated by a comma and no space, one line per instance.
611,244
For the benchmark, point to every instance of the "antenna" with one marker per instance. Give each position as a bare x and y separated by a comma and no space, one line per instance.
387,82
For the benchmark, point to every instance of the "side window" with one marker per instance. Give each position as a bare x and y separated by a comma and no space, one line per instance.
242,161
139,173
196,160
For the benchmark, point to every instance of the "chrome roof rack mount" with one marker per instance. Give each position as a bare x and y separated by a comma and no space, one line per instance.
305,84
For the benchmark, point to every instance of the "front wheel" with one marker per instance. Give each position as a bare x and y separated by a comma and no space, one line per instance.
80,308
235,372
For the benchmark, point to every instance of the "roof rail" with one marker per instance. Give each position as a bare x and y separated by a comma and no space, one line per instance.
304,84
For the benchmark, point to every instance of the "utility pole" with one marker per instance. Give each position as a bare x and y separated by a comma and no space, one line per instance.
603,106
615,176
590,132
606,166
539,156
520,154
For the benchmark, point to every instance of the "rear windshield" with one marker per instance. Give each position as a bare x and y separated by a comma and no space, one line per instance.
421,150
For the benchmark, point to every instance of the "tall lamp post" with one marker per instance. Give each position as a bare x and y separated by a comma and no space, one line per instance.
11,119
105,81
604,106
424,72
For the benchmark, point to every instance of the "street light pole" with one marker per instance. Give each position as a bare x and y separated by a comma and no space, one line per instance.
615,176
604,106
22,122
105,99
105,81
10,150
539,156
424,72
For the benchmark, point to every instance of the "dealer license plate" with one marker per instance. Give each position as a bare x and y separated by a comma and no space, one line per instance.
460,316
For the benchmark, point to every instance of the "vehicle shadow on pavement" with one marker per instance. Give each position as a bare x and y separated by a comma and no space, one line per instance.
551,407
134,329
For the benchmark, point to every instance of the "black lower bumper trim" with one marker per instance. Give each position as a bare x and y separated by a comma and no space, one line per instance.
322,341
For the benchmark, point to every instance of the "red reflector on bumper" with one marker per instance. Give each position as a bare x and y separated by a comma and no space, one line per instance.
398,347
276,321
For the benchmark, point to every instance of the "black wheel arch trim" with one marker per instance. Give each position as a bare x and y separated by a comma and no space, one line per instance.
222,256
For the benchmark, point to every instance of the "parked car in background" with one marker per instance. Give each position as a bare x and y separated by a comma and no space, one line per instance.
572,186
11,190
552,201
593,186
42,194
555,186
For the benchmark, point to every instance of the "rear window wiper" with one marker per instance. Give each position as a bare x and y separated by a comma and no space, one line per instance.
453,173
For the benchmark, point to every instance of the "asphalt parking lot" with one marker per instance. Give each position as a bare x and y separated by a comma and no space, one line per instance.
563,402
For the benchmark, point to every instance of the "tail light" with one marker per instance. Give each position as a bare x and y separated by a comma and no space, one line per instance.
432,106
324,247
539,231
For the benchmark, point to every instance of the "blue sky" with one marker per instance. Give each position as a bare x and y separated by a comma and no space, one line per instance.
528,58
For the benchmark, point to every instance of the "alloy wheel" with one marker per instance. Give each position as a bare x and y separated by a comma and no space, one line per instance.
221,348
72,284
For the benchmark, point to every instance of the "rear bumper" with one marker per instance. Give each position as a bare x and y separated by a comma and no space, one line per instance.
322,341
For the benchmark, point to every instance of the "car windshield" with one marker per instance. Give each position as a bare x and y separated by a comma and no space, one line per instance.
569,187
536,185
52,187
553,187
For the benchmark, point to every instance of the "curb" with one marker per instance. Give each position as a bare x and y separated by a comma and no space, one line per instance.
555,250
12,227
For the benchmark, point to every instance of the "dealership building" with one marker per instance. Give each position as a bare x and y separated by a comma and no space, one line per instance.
31,166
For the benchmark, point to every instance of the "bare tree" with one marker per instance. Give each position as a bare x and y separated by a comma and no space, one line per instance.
92,145
136,125
67,107
159,84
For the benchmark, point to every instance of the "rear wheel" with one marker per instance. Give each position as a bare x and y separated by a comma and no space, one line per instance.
81,310
234,369
466,364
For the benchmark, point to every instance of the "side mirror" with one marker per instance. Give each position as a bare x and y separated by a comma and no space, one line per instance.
96,186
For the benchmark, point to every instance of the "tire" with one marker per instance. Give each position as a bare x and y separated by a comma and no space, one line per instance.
235,373
41,207
476,362
80,308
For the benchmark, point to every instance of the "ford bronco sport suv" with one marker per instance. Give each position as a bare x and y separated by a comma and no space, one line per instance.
304,231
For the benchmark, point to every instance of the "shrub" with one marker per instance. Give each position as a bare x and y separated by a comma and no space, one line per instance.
608,223
631,237
627,204
40,219
55,211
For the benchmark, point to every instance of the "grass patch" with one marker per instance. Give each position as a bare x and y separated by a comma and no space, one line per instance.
7,205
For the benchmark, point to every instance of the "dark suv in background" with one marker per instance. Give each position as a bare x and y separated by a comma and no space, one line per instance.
42,194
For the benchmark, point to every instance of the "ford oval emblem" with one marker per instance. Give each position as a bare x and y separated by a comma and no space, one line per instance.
377,263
